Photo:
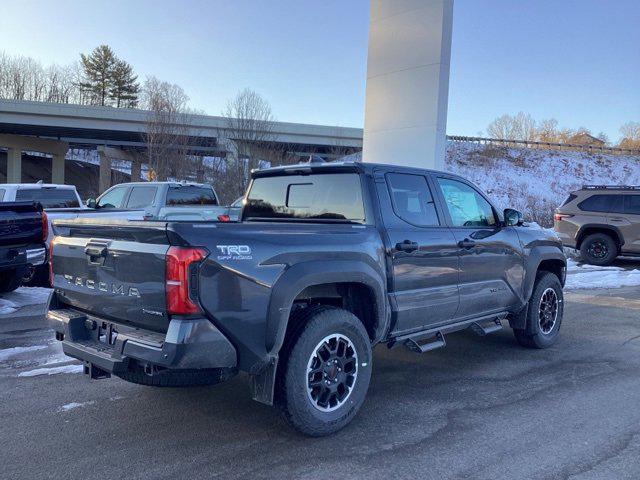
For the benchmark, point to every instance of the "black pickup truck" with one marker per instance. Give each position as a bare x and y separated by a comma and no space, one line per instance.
326,261
23,233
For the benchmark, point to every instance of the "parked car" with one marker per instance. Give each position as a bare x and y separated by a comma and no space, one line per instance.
601,221
327,261
23,231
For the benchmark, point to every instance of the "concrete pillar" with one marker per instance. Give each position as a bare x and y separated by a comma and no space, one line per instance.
14,165
105,171
408,82
57,167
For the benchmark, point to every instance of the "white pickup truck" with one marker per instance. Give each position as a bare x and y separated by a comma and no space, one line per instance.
127,201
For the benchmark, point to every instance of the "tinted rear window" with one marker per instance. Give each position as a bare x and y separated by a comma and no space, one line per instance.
49,197
332,196
569,199
190,195
632,204
599,203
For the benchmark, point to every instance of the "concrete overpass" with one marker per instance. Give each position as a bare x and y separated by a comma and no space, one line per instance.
117,133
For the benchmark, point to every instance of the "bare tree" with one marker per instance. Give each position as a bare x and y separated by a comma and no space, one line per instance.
249,126
167,129
630,135
519,127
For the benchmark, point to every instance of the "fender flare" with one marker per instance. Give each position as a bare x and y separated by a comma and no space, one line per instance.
302,275
600,226
535,258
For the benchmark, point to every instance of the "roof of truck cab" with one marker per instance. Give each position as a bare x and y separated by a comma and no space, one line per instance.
30,186
320,167
180,184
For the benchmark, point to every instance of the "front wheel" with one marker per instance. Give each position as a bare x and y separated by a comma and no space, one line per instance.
544,313
326,370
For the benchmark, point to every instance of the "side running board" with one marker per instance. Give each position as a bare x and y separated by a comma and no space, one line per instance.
426,341
425,344
486,328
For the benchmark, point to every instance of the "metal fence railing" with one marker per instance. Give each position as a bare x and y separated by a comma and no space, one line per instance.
544,145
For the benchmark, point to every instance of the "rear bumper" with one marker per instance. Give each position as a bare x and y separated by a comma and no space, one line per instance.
114,348
36,256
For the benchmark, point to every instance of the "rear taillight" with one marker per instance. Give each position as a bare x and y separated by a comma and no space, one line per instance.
51,262
181,279
558,217
224,218
45,227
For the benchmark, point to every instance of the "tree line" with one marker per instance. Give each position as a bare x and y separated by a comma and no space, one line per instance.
97,78
524,127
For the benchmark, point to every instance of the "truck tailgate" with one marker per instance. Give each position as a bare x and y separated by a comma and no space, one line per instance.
20,223
113,271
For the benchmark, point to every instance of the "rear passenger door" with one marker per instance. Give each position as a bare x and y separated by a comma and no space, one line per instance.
141,196
491,257
422,250
625,216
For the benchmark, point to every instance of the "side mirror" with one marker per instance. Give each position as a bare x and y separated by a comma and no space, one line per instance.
91,203
512,217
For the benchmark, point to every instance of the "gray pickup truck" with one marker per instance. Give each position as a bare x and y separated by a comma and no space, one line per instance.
327,261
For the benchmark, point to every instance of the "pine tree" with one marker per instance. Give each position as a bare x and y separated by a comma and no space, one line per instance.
125,88
98,69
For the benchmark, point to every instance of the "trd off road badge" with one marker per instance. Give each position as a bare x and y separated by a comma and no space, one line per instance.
234,252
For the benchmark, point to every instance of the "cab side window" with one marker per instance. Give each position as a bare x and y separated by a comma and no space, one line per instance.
412,200
467,208
113,198
141,197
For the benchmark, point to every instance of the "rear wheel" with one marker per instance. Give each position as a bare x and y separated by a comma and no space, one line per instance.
544,313
325,371
9,281
598,249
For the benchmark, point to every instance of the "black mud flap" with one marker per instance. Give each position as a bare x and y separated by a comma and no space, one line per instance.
263,383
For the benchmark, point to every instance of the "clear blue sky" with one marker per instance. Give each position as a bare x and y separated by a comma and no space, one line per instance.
575,60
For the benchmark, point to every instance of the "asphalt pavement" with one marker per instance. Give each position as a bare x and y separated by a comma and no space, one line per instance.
481,408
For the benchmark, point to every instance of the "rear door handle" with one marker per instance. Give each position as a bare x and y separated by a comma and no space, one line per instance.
407,246
466,243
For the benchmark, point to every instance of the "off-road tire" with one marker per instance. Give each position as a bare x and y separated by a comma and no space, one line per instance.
532,336
40,277
10,281
606,241
176,378
308,328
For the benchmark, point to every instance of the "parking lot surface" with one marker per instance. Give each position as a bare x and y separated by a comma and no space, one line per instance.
481,408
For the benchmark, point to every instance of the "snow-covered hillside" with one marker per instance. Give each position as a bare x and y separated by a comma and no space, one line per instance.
537,181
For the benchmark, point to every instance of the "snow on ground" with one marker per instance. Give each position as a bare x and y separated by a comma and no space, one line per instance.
22,297
7,353
52,371
591,276
70,406
7,307
518,177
